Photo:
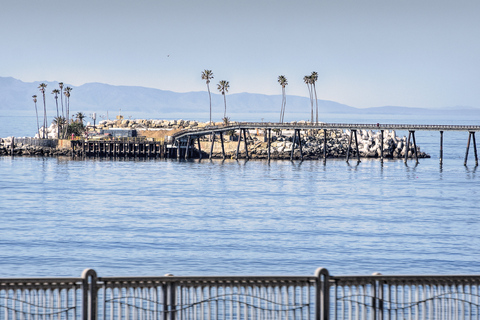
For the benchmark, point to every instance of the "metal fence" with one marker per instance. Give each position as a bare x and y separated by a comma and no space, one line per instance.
405,297
52,143
207,298
57,298
319,296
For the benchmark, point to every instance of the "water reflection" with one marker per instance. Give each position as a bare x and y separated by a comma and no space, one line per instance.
246,217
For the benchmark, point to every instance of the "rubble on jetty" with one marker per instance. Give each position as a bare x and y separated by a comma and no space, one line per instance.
337,143
25,149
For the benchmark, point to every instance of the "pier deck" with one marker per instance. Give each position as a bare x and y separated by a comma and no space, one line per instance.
190,135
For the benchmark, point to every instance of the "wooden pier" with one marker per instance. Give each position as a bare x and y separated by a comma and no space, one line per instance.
188,137
115,148
183,143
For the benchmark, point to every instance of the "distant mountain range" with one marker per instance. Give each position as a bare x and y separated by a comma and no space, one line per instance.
16,98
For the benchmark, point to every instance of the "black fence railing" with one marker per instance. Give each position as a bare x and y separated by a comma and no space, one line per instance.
319,296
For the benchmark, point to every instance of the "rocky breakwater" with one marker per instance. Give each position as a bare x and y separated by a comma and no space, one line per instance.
30,147
369,144
142,124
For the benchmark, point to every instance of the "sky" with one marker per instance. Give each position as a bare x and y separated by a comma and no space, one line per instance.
369,53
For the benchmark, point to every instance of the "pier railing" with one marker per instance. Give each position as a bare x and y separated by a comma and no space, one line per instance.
319,296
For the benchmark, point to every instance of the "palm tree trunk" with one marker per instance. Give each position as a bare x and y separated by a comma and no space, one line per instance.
68,110
310,91
61,100
210,97
316,103
44,115
225,101
38,126
281,109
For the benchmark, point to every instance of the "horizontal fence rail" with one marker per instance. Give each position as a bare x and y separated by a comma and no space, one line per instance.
319,296
320,126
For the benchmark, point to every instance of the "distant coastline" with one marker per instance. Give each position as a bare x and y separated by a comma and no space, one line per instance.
15,97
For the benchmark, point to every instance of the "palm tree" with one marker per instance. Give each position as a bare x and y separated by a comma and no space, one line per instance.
56,92
42,87
314,78
80,116
283,82
36,112
207,75
223,86
60,122
308,82
67,107
60,84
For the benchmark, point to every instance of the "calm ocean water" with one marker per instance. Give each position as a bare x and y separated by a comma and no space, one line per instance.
151,217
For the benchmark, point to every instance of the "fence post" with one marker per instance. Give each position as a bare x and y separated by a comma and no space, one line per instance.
322,303
173,300
89,290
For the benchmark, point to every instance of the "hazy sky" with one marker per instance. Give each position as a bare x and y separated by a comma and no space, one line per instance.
367,53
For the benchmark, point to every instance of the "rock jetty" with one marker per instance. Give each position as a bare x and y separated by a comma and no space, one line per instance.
337,143
281,146
30,147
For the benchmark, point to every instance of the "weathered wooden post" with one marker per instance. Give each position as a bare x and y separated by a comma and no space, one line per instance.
199,148
188,146
223,148
408,146
12,146
441,147
415,146
349,144
475,148
356,146
238,144
471,135
381,145
468,147
211,146
269,135
178,149
324,145
245,142
300,144
294,140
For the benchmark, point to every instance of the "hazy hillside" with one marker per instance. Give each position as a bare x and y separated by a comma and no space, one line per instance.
16,97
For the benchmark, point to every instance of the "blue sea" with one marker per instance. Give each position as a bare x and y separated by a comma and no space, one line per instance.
152,217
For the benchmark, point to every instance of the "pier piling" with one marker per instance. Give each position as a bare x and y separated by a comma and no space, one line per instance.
324,145
381,145
223,148
441,147
269,136
211,146
238,144
245,142
471,136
